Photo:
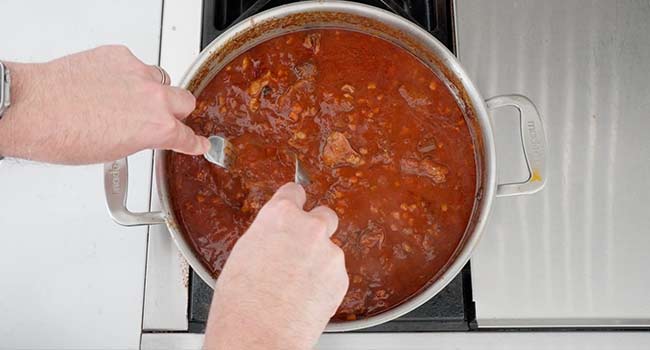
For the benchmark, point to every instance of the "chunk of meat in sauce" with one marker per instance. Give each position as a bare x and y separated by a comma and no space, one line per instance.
258,84
306,71
372,236
338,152
427,144
412,99
312,42
354,303
258,195
425,167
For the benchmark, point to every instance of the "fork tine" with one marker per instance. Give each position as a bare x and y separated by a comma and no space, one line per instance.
221,151
300,176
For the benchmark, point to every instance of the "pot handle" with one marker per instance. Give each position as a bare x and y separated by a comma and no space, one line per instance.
116,182
533,142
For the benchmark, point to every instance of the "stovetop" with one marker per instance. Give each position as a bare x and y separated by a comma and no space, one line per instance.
432,15
450,310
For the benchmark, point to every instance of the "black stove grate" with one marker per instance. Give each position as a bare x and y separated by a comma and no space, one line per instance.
432,15
452,309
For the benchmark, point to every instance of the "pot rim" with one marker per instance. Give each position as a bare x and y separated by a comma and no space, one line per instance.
481,210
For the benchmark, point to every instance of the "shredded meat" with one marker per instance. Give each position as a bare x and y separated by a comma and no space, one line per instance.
258,192
305,71
425,167
354,303
258,84
338,152
312,42
427,144
411,100
372,236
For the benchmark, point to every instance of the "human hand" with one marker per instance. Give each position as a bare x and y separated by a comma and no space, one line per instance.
94,106
283,280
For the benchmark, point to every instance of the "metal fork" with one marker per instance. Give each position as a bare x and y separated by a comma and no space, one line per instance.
300,176
222,154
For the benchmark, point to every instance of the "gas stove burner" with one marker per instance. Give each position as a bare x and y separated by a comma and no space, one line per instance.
450,310
432,15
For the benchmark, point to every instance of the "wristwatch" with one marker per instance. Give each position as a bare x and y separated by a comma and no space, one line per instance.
5,89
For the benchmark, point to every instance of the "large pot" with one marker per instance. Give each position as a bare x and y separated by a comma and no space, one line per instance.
384,24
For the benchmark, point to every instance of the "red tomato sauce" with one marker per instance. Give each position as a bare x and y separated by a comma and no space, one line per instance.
384,143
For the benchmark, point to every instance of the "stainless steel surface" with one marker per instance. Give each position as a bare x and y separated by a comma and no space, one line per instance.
221,151
166,289
300,177
116,183
577,253
5,88
533,142
440,341
403,32
167,272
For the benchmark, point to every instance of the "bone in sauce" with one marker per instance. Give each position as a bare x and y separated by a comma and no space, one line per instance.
381,137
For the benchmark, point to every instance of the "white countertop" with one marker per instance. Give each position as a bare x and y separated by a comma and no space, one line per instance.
70,277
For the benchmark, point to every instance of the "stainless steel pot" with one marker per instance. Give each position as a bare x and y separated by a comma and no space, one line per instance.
391,27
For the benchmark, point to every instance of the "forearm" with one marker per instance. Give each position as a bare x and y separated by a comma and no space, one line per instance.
231,331
92,107
233,327
13,139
